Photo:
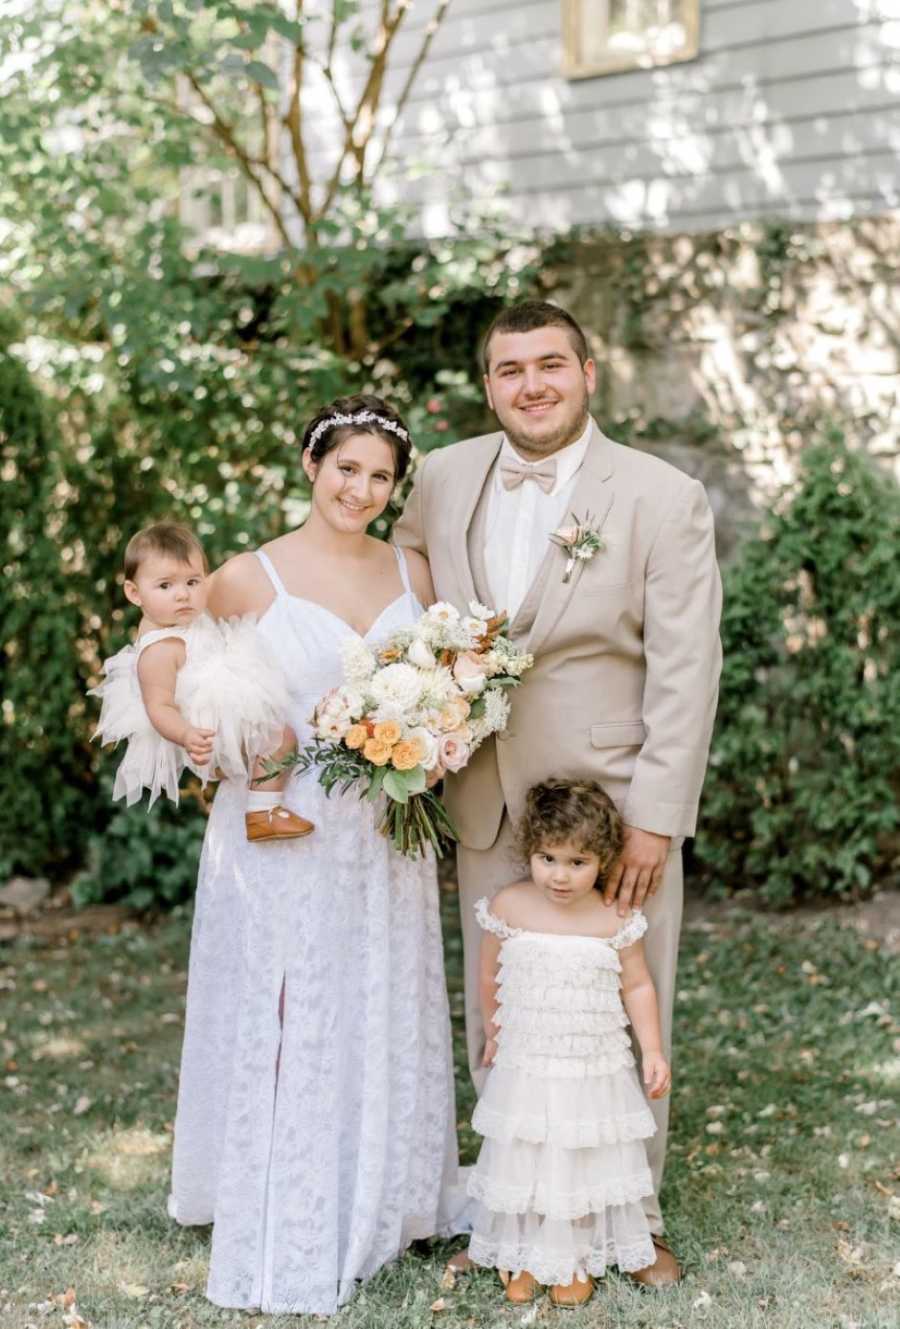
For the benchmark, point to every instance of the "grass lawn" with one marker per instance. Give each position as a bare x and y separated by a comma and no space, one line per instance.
782,1196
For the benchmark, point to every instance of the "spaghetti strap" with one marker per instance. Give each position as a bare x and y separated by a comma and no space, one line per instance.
404,568
269,569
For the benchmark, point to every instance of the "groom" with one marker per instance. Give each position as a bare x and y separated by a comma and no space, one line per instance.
626,648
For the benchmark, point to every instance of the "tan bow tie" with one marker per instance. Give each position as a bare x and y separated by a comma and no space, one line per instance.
513,473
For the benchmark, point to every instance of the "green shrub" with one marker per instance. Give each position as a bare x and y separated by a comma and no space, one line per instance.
47,783
144,859
801,795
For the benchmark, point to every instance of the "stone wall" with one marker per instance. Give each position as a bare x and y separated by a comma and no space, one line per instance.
725,353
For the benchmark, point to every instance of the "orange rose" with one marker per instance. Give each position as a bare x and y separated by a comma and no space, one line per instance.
407,755
379,754
387,732
355,736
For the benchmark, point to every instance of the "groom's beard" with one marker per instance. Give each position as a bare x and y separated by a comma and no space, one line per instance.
533,445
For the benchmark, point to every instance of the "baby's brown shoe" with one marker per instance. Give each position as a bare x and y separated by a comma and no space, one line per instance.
570,1295
521,1288
276,823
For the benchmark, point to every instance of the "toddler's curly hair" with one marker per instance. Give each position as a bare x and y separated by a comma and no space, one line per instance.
576,810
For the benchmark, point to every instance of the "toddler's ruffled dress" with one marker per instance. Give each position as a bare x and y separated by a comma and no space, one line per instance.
227,684
563,1167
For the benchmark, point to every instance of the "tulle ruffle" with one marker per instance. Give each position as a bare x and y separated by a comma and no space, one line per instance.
567,1114
516,1177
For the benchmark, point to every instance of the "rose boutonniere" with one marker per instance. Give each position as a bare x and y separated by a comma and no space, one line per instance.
581,540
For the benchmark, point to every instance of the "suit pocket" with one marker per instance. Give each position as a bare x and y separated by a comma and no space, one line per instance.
618,734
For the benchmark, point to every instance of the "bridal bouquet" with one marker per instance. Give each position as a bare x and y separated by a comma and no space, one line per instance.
417,706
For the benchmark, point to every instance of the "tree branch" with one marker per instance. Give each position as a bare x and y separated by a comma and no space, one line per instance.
430,33
293,122
226,135
358,130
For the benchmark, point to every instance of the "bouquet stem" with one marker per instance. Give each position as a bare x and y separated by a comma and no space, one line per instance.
418,823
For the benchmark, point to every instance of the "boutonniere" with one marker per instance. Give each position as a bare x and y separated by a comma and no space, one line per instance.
582,541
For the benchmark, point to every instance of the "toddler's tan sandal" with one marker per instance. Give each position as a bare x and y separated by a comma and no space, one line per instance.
568,1296
521,1288
276,823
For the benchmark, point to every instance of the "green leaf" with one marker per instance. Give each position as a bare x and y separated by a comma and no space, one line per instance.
260,73
416,780
395,786
377,780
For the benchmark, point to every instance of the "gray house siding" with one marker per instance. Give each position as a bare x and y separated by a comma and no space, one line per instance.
791,109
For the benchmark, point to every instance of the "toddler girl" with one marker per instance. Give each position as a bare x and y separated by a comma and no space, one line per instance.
563,1167
193,692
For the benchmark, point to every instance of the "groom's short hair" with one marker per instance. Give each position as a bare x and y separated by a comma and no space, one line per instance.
528,316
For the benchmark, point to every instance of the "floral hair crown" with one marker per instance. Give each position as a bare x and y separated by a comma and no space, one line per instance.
357,418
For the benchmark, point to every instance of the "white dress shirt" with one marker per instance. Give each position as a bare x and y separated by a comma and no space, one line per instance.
521,520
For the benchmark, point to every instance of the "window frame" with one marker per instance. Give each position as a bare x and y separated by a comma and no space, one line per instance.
621,62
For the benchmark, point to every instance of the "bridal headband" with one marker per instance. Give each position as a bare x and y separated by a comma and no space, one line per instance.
357,418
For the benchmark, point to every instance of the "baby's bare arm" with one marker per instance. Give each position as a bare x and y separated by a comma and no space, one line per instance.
157,673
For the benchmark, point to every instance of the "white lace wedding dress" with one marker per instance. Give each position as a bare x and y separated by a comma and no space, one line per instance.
319,1142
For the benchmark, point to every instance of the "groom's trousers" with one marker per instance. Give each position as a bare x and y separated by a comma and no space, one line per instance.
483,872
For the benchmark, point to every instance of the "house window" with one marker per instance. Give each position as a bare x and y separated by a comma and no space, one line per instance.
609,36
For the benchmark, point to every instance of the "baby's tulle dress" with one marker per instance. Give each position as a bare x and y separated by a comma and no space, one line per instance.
563,1168
227,684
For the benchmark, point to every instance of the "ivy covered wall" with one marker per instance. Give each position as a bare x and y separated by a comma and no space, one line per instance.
726,353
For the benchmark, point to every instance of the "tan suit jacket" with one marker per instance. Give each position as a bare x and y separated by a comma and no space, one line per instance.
626,654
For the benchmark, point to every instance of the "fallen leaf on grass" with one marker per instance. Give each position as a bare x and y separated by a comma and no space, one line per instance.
448,1282
134,1289
439,1305
179,1288
82,1106
71,1239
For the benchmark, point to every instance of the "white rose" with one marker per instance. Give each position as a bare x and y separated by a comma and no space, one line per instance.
481,611
421,654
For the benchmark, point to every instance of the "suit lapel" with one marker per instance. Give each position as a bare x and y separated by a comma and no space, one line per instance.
592,493
472,482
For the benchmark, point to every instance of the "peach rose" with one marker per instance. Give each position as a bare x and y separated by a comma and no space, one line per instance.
387,732
355,736
379,754
453,753
407,755
453,713
469,671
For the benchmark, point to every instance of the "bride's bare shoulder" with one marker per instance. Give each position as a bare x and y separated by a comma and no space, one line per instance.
240,586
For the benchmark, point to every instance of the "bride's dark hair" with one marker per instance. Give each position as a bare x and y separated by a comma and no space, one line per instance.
363,413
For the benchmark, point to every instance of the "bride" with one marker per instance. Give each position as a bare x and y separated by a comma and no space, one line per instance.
316,1124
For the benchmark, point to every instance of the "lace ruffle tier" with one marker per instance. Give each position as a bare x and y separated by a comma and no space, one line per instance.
554,1251
572,1114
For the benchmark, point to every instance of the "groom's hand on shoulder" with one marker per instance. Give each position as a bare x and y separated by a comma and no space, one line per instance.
638,872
